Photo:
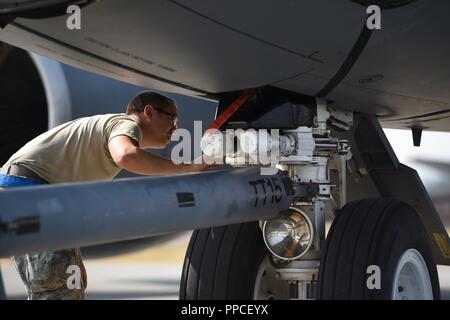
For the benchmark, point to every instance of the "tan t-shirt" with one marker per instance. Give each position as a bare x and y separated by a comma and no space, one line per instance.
77,150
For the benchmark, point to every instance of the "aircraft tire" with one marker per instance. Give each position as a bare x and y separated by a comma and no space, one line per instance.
223,262
372,233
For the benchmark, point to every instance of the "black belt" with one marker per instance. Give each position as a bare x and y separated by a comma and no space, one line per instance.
21,171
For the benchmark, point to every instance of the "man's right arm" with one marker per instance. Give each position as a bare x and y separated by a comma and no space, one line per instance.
127,155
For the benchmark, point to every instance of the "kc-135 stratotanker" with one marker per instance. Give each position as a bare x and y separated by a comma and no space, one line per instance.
320,82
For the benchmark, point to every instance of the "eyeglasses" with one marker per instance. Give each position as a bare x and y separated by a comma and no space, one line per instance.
173,116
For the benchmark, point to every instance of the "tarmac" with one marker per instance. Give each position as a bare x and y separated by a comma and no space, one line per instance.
150,274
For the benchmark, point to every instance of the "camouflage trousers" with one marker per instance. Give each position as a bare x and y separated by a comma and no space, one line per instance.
50,276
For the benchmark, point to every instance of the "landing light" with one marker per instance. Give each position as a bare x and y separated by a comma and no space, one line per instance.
289,236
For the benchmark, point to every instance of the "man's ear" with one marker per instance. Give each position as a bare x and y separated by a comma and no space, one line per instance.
148,111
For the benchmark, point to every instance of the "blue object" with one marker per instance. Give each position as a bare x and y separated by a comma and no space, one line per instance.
7,181
73,215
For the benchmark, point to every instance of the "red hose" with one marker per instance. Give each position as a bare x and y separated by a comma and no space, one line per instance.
232,108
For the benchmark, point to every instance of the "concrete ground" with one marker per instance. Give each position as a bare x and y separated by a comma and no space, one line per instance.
153,273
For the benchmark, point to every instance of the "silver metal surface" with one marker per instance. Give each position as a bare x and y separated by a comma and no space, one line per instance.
73,215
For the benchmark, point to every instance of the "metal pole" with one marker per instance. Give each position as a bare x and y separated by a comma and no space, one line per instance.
51,217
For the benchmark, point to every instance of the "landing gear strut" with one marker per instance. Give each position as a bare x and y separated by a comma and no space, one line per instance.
288,257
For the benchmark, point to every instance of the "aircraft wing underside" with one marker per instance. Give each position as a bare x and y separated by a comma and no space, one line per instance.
319,48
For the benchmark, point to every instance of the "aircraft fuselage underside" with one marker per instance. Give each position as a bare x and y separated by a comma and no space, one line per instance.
317,48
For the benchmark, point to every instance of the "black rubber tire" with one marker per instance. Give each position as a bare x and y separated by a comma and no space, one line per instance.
222,263
371,232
